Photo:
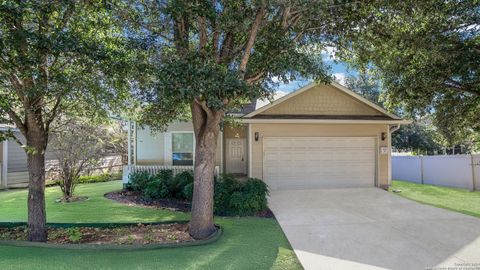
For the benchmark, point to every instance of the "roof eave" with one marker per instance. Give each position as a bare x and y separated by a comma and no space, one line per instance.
322,121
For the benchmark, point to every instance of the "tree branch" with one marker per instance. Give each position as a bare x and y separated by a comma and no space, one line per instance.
251,39
202,25
255,78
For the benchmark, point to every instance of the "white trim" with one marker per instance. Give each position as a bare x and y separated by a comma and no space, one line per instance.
167,149
391,130
4,168
311,85
135,133
129,144
221,151
322,121
250,142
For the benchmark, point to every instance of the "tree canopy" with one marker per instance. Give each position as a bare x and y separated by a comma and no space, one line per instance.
212,56
55,57
427,54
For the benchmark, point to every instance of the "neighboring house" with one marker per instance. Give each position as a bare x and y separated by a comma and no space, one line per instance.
13,162
320,136
13,159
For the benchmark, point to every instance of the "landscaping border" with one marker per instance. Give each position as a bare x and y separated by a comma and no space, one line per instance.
213,238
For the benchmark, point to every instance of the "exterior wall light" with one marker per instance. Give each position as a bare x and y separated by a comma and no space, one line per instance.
384,136
256,136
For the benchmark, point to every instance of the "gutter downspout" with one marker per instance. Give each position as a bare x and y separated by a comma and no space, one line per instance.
394,128
391,130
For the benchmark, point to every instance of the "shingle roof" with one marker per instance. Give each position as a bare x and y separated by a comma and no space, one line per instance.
245,109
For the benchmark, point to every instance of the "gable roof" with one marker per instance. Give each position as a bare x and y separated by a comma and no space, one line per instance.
244,109
384,115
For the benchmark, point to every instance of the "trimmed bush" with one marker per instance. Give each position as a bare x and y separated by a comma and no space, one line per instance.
138,181
88,179
106,177
158,187
178,184
232,197
235,198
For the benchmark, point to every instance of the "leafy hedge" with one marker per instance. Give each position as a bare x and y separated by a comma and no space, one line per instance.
232,197
87,179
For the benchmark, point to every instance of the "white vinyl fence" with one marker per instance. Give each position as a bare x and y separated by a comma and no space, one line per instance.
462,171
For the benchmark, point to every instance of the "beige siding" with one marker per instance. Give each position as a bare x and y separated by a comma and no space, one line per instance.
17,158
321,100
151,146
239,131
319,130
17,178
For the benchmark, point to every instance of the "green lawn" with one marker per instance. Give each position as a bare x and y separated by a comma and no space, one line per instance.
247,243
455,199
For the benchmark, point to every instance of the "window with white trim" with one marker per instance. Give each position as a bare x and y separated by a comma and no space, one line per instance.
182,149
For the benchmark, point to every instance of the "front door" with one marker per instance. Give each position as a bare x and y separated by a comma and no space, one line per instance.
236,158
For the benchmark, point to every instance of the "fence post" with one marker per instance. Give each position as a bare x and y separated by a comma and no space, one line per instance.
421,169
472,163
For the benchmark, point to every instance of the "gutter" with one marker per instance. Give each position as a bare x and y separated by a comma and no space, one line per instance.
322,121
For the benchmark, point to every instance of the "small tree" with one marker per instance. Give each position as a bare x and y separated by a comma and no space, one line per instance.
79,146
207,57
54,56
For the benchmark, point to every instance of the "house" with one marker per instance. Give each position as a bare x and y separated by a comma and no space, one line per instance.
13,162
320,136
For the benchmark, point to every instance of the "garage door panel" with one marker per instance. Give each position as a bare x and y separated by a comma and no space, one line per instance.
320,162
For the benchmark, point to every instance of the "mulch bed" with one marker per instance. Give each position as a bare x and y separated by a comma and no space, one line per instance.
72,199
140,234
135,198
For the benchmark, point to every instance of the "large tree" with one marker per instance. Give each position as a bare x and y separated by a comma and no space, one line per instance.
54,56
206,57
427,54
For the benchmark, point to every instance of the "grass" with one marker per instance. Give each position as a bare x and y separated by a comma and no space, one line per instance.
247,243
455,199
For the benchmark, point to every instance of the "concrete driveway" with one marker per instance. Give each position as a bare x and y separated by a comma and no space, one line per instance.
370,228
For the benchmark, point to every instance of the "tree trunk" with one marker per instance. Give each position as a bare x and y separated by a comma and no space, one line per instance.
37,230
207,128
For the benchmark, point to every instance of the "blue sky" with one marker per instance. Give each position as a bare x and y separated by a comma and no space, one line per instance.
338,69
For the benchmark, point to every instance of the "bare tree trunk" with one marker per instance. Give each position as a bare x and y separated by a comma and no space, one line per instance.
37,230
207,127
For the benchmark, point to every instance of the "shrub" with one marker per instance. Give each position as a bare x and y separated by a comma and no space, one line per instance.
232,197
224,188
251,199
88,179
158,186
235,198
188,191
138,181
106,177
178,184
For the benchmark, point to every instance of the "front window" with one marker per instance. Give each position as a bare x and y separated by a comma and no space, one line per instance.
182,149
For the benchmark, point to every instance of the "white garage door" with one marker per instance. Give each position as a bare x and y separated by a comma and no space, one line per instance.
319,162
